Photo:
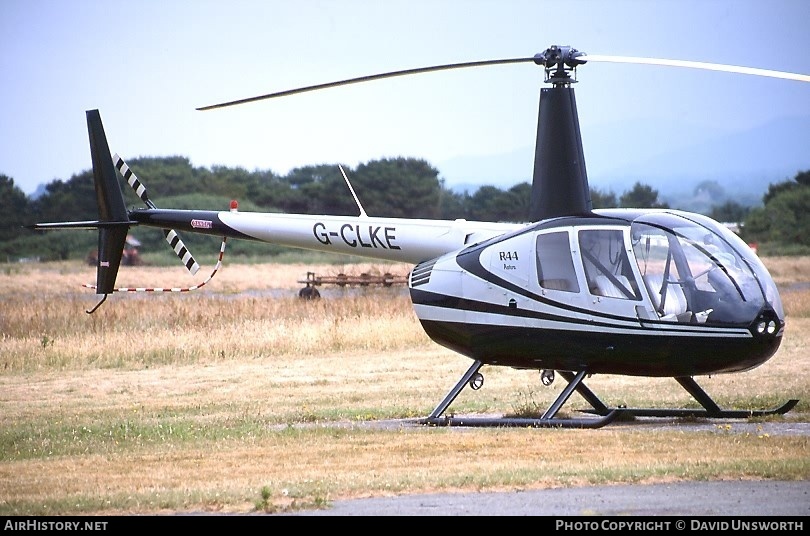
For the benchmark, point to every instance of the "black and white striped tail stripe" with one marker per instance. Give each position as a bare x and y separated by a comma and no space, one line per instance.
174,289
132,180
181,251
171,236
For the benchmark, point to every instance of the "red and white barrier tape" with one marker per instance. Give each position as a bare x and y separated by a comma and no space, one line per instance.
174,289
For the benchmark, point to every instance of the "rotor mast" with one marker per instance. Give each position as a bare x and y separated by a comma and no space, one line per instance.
559,182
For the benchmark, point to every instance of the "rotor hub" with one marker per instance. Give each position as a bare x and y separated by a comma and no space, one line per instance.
560,62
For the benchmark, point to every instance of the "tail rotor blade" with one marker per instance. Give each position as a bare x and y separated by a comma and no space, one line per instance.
132,180
181,251
171,236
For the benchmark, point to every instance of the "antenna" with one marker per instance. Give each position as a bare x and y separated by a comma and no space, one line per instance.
362,212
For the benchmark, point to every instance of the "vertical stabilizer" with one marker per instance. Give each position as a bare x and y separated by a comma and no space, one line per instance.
112,213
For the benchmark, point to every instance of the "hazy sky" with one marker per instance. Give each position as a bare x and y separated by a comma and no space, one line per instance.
146,65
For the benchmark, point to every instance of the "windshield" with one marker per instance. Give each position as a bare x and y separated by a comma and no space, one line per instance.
698,271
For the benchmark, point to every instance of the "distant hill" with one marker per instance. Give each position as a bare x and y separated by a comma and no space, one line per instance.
41,189
673,158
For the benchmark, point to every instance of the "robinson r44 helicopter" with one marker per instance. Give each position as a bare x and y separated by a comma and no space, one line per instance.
658,293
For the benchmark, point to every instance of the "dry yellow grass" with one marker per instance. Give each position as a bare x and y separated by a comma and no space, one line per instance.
199,401
788,270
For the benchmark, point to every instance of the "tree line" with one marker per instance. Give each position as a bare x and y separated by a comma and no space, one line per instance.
394,187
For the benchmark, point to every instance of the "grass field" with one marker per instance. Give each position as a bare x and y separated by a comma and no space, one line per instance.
241,397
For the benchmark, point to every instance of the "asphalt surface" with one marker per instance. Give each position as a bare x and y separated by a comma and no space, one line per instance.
686,499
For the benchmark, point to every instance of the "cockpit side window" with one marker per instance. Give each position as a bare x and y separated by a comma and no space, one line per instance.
660,272
607,268
555,266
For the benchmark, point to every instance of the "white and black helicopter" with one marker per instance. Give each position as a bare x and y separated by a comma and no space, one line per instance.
658,293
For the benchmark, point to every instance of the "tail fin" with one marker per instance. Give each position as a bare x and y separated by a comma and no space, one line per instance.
114,219
113,222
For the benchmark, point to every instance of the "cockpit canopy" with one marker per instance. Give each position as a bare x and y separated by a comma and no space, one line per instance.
676,268
703,265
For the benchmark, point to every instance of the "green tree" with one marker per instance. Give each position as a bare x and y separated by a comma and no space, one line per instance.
801,179
520,198
397,188
451,204
74,199
13,209
268,190
641,196
166,176
784,220
730,211
321,189
602,199
489,203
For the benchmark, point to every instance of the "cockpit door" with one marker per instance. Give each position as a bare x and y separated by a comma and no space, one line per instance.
611,279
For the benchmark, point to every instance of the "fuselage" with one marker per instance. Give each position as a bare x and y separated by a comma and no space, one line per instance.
649,293
663,294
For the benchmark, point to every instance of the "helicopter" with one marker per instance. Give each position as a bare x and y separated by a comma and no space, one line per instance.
576,292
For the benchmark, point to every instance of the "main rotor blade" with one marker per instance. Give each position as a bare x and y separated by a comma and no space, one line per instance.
698,65
370,78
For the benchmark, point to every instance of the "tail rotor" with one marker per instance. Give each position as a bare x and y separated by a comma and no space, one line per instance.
170,235
114,220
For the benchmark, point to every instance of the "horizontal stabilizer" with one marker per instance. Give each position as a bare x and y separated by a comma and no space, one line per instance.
92,224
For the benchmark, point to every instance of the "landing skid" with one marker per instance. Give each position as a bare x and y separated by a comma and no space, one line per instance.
711,409
606,414
546,421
